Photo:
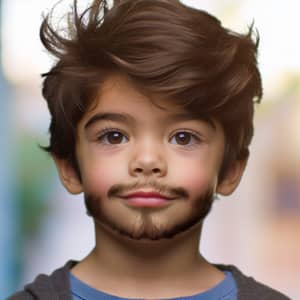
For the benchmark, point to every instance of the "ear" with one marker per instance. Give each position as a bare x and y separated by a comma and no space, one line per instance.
232,178
68,175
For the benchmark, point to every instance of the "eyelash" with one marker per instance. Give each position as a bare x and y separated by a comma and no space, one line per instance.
194,135
103,133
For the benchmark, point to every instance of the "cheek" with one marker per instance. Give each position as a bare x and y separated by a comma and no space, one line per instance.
195,176
99,175
194,180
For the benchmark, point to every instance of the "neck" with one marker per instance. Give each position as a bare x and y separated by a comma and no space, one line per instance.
117,258
141,257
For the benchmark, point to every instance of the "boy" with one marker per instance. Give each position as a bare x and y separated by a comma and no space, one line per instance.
152,107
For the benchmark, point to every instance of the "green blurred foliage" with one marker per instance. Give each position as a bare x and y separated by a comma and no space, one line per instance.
34,181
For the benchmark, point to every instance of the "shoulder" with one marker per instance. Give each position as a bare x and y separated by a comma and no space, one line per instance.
53,286
21,296
249,288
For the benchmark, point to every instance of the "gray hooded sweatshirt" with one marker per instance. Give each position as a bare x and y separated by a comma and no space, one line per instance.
57,286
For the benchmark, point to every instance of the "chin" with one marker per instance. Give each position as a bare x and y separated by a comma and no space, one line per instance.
145,224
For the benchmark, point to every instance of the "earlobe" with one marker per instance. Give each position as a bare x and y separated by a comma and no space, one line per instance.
232,178
68,175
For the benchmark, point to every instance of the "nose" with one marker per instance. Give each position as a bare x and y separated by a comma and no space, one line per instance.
148,160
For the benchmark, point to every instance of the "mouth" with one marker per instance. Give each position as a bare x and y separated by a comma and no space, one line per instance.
147,199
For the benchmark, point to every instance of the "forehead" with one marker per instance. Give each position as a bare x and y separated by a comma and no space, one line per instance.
119,94
119,100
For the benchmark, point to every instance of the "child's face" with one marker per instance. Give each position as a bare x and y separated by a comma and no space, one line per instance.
147,149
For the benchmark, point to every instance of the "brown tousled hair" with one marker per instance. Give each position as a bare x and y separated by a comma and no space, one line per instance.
164,47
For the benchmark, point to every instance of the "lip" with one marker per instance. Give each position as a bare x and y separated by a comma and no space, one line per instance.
147,199
147,194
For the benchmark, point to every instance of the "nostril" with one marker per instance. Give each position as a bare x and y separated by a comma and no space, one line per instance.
141,170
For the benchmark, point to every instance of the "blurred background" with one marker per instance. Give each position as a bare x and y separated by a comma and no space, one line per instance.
257,228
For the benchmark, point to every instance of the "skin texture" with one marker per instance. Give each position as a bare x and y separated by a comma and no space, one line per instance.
139,248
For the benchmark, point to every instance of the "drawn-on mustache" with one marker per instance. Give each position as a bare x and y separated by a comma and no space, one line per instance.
121,189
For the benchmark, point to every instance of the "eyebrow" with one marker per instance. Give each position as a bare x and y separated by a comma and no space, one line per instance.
127,119
121,118
191,117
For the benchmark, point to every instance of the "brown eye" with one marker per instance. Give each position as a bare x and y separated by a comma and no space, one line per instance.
115,137
112,137
184,138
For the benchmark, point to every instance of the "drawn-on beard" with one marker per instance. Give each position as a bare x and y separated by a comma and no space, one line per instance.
145,225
